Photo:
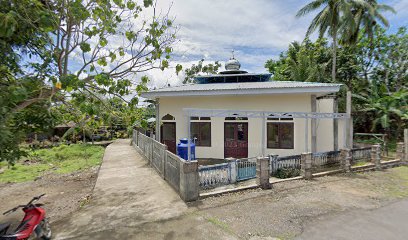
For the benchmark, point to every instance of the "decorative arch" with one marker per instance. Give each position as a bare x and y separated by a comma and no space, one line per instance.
168,117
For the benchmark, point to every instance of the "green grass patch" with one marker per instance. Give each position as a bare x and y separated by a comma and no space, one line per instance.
401,172
219,223
61,159
360,163
398,184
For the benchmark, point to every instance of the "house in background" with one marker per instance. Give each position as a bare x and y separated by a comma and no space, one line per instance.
239,114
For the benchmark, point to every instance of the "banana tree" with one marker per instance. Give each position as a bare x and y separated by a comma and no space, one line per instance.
387,108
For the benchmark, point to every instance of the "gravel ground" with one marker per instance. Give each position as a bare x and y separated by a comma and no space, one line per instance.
64,194
289,207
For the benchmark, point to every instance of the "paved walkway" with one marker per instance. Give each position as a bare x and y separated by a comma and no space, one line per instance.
389,222
131,201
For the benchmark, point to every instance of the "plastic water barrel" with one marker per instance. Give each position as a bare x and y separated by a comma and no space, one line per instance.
182,149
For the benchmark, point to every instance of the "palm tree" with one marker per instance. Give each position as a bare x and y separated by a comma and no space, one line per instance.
330,20
366,18
327,19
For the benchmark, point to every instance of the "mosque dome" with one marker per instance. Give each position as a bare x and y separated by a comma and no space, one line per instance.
232,65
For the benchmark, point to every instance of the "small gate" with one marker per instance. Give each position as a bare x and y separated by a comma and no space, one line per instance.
246,169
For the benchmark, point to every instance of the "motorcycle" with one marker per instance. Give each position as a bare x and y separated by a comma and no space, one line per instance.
33,226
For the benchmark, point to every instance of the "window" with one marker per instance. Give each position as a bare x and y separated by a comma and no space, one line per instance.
201,132
280,135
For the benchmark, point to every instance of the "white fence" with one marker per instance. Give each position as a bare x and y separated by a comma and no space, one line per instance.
214,175
180,174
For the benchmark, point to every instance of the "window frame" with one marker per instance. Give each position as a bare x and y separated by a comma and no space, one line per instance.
200,124
279,124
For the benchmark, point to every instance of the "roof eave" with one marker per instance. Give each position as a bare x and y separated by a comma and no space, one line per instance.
255,91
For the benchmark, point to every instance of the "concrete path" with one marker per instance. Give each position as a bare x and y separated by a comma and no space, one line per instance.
131,201
389,222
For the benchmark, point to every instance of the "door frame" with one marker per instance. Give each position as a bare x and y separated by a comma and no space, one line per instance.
170,148
246,131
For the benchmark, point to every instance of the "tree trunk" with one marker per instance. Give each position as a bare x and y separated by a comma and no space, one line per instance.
334,53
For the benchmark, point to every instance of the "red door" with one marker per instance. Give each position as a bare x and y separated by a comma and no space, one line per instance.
168,136
235,140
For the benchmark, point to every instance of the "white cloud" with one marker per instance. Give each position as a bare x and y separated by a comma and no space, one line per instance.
401,17
256,29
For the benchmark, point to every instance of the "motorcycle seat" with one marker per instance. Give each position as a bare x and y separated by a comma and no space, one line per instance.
4,227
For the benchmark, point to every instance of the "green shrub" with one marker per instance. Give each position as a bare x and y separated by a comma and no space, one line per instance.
287,173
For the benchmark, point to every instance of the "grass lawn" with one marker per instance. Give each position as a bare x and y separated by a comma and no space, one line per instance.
61,159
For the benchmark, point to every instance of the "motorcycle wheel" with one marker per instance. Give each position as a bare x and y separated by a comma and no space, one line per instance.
46,230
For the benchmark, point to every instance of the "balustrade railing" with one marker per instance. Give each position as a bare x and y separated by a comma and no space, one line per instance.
214,175
361,154
287,162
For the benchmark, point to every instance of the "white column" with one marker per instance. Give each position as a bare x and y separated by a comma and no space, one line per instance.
157,119
335,126
263,134
188,137
306,134
349,122
313,123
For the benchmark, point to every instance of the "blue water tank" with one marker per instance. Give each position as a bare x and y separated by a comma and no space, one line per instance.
182,149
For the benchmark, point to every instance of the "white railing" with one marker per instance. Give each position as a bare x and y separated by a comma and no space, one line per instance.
214,175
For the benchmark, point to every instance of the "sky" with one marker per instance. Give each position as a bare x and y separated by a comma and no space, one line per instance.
257,30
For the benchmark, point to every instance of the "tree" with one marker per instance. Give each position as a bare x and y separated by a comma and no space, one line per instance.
385,107
58,49
305,61
365,21
361,66
210,68
330,19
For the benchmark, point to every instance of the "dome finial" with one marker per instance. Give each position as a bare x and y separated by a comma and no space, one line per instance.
232,64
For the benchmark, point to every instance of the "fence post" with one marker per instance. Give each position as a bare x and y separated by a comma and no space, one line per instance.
189,181
233,169
306,165
263,172
164,161
400,151
346,160
151,149
376,156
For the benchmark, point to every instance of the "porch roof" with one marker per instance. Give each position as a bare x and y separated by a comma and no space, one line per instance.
244,88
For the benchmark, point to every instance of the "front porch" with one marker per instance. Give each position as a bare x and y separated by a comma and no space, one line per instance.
246,134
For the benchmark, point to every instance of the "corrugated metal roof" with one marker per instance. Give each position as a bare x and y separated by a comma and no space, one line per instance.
243,88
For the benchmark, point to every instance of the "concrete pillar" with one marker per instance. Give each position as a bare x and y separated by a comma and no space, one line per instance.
189,181
313,124
306,165
262,172
233,169
400,151
346,160
163,160
335,126
376,156
349,122
157,105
